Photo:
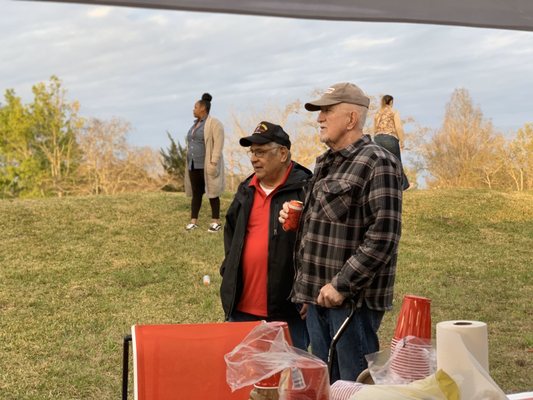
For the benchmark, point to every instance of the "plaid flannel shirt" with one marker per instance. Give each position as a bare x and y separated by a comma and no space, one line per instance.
350,226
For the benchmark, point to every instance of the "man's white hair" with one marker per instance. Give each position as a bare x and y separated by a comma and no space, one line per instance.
361,114
361,111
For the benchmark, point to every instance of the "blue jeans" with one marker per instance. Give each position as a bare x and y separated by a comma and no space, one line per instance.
297,328
359,338
392,144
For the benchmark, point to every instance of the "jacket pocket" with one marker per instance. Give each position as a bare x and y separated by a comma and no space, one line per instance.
336,199
212,170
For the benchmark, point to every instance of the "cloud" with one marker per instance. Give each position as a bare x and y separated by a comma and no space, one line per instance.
99,12
150,66
159,19
359,43
501,39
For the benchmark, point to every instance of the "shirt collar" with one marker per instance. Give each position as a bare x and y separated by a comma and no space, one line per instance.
254,182
348,150
353,147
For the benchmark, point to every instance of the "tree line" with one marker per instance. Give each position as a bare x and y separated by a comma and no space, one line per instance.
467,151
48,149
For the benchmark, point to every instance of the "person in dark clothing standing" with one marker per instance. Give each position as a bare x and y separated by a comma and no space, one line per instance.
258,270
205,163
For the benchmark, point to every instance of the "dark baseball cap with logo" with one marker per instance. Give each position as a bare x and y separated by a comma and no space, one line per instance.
267,132
344,92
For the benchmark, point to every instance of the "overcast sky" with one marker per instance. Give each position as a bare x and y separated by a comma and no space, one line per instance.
149,66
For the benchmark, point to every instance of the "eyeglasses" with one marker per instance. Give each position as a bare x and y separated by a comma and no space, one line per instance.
261,153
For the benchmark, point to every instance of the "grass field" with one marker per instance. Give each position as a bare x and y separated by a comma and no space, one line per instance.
76,273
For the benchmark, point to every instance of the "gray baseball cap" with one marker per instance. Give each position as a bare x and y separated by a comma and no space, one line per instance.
344,92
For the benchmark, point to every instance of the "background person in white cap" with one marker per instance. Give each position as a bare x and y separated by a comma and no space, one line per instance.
347,241
258,268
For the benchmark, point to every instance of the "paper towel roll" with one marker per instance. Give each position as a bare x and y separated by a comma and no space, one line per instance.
463,353
473,334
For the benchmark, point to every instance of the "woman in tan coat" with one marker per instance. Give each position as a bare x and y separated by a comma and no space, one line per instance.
205,163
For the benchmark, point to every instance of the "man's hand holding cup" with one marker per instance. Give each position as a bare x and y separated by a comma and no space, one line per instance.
289,215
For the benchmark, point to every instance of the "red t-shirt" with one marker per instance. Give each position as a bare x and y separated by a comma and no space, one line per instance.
255,252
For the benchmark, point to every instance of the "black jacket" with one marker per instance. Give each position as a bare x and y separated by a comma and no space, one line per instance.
280,246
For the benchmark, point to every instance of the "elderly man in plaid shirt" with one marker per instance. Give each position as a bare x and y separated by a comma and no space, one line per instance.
347,241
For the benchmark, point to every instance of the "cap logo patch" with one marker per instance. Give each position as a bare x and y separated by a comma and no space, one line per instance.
329,90
261,128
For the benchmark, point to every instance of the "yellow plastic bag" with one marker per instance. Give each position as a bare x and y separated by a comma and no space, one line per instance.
438,386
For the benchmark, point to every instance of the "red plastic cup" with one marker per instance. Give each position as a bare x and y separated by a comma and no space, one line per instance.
308,381
295,211
410,358
268,383
414,318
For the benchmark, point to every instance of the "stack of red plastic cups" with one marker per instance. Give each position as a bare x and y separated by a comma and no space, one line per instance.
411,345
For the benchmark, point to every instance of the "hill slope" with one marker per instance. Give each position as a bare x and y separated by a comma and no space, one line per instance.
76,273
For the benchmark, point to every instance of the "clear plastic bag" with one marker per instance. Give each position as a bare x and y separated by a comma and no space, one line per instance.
407,360
466,380
265,352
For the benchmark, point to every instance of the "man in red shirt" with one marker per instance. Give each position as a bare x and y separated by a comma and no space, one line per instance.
258,270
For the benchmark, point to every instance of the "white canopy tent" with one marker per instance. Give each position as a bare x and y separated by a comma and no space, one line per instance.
499,14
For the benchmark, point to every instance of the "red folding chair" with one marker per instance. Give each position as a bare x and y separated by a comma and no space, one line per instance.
185,361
